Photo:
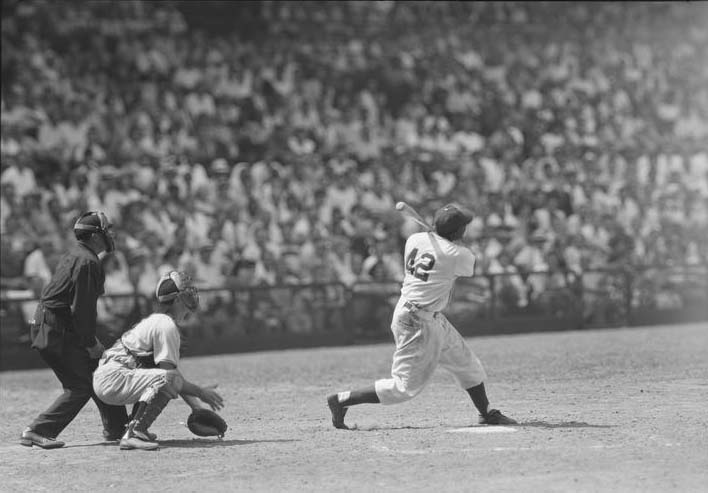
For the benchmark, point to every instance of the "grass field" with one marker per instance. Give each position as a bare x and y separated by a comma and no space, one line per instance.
609,410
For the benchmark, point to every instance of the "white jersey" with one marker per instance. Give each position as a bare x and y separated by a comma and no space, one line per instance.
156,335
432,264
120,380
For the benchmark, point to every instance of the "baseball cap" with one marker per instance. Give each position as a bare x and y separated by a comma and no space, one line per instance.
449,218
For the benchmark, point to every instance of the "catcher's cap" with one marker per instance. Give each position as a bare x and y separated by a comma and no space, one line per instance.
450,218
176,284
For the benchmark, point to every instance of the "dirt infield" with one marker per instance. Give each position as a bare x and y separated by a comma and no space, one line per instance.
613,410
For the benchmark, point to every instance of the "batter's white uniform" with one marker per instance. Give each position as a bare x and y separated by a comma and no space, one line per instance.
424,337
118,381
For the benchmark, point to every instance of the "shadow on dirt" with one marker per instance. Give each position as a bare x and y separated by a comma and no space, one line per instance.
206,443
566,424
95,444
389,428
193,443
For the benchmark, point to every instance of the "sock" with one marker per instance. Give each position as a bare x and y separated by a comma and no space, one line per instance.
479,398
362,396
136,406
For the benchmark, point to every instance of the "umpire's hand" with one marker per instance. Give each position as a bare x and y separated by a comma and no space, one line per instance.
96,351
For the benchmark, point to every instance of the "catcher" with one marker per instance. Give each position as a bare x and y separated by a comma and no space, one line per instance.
141,368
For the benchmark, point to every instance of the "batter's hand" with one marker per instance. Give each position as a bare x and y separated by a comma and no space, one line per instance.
96,351
210,396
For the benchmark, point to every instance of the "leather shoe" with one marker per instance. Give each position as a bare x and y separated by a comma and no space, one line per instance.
29,438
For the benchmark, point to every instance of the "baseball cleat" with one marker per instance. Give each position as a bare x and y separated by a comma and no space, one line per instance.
338,412
29,438
136,443
495,417
114,437
137,440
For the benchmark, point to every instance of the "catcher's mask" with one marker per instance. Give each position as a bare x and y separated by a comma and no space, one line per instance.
177,284
96,222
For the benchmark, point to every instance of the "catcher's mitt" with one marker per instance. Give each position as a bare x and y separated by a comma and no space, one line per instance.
206,423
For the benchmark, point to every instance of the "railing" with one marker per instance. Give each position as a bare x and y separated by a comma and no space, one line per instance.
495,303
270,317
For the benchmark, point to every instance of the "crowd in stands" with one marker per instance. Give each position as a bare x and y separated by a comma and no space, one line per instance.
577,132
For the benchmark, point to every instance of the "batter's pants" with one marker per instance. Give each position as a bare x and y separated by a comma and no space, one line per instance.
74,369
425,340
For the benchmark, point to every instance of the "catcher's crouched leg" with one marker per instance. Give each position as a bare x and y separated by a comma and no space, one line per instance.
121,387
152,402
168,382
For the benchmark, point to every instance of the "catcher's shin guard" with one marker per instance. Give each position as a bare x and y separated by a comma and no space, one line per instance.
147,414
137,436
134,413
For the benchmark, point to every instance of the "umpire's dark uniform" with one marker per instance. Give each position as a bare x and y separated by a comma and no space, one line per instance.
63,329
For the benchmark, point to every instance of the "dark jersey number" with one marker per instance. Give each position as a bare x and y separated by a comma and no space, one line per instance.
419,267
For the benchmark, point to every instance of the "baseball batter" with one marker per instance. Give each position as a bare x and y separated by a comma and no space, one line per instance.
141,368
424,337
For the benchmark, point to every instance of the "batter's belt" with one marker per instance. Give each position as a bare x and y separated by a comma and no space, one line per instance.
416,309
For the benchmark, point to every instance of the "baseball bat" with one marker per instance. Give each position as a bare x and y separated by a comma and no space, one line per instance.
409,211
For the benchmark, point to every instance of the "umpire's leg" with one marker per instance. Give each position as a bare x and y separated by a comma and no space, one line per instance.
74,369
114,418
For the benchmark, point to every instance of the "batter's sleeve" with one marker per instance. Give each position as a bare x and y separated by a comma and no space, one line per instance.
465,262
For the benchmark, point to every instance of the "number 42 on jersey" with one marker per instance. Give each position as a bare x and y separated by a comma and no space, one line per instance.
419,266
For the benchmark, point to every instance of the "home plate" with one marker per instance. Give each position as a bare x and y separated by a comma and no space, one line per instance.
482,429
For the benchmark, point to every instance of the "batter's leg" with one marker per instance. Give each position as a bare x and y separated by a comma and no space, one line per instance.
478,394
338,403
414,361
460,360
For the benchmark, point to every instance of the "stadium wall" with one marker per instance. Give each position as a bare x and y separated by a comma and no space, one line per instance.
332,314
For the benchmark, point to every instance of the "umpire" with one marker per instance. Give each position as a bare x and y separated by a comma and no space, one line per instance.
64,333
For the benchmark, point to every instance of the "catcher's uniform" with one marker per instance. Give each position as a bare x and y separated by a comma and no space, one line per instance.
424,337
128,371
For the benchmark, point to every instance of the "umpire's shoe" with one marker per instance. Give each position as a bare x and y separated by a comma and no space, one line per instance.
495,417
338,412
136,440
29,438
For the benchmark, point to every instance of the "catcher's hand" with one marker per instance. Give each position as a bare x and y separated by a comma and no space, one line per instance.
206,423
211,397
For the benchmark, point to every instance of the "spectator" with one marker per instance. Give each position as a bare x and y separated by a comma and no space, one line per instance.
541,131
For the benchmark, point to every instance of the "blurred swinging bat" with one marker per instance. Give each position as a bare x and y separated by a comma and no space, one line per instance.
409,211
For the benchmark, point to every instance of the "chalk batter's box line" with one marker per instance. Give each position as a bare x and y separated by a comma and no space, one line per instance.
385,449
